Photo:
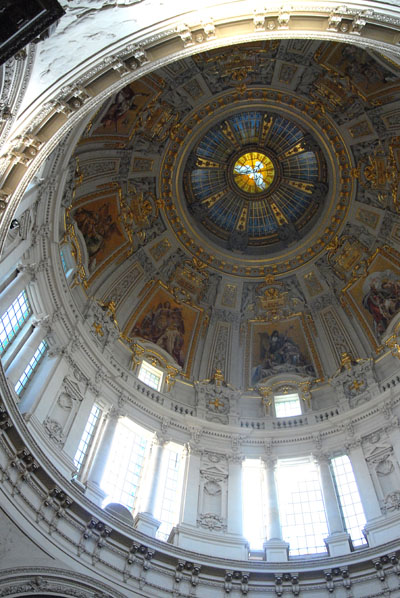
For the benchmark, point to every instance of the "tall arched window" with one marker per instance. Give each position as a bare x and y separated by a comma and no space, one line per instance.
13,319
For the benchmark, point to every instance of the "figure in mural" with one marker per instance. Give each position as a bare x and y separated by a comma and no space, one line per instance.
381,297
96,226
280,353
123,103
165,327
362,69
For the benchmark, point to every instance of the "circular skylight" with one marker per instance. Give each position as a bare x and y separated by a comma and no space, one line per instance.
253,172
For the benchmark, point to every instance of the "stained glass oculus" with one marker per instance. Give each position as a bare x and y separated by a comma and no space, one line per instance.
253,172
255,179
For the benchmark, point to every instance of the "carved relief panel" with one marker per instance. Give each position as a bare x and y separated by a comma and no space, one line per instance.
213,492
62,414
384,468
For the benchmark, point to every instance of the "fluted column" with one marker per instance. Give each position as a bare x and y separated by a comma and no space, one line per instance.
275,548
97,469
274,531
11,292
364,482
24,356
157,450
145,521
235,498
338,539
191,484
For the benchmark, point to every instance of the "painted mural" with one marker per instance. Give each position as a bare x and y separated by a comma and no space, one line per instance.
171,325
372,80
99,223
121,116
277,348
375,297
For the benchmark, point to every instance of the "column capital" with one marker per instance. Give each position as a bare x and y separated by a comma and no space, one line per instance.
270,461
235,458
158,439
322,458
40,322
192,449
394,424
354,444
29,270
114,414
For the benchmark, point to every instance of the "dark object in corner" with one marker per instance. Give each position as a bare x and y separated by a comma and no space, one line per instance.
25,21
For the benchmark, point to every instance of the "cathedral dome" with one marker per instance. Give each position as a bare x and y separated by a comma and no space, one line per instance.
205,271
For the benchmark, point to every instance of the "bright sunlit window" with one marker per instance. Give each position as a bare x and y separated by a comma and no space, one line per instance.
150,375
287,405
30,368
254,506
169,490
349,499
125,465
13,319
87,436
301,506
63,261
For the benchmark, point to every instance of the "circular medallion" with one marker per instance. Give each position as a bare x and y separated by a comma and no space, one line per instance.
253,172
257,188
250,181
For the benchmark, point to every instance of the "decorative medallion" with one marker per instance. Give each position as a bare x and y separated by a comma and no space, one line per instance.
256,183
254,180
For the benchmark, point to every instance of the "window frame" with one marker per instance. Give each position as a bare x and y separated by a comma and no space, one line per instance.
280,399
116,489
90,431
31,368
17,329
360,541
68,264
151,370
291,520
167,486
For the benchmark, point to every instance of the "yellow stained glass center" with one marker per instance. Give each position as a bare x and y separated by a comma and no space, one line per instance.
253,172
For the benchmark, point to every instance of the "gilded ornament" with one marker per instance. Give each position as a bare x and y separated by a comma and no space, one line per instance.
98,329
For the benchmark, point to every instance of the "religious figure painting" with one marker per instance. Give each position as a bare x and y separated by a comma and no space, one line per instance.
278,348
171,325
358,68
375,297
121,115
99,224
